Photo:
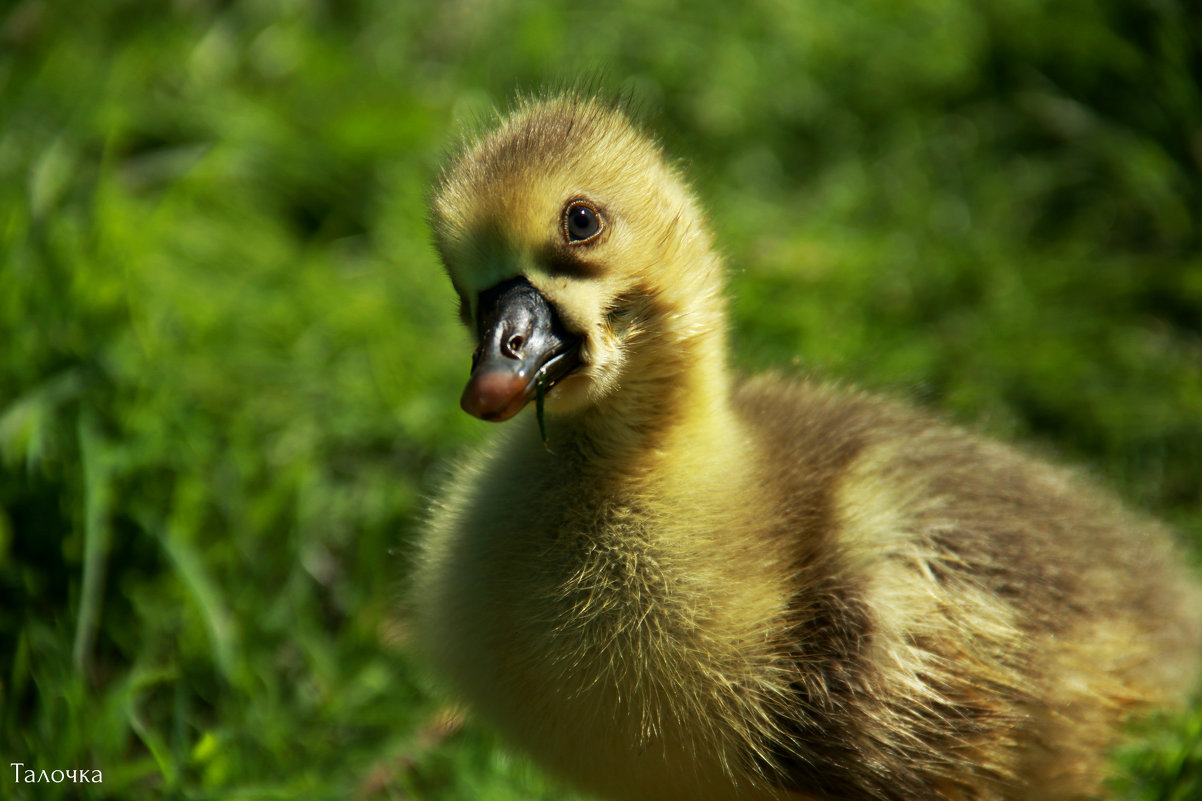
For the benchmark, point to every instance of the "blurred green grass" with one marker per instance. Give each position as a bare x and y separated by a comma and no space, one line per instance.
229,360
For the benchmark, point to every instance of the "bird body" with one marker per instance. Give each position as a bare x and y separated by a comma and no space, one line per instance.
702,586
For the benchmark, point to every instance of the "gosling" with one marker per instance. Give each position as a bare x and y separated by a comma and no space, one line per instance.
686,584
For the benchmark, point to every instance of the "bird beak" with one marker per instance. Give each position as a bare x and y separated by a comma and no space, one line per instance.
522,343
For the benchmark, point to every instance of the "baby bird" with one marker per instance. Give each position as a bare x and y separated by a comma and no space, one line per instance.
707,587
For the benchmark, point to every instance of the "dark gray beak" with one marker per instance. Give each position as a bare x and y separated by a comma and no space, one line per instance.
522,342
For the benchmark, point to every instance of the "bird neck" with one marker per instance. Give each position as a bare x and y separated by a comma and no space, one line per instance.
675,387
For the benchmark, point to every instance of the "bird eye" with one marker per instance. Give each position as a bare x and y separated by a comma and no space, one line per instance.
581,222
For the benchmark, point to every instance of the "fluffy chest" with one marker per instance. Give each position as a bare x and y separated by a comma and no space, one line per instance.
558,601
569,627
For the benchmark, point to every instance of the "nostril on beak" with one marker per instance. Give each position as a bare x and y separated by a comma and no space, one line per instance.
513,346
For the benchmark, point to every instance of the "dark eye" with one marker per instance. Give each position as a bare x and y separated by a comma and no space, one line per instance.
581,222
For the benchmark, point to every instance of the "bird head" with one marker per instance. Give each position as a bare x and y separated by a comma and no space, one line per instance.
580,259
